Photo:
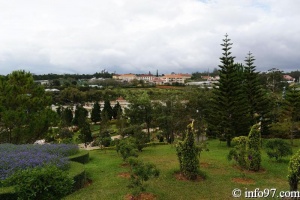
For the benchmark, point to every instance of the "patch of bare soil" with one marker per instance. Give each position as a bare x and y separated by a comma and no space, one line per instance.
261,170
125,164
181,177
246,181
124,175
142,196
204,164
88,182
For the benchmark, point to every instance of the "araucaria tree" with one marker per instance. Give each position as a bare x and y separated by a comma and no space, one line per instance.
258,106
229,100
188,155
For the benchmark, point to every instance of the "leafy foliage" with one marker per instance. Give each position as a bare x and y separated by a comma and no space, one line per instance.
239,153
140,137
140,172
167,114
278,148
127,148
140,110
246,151
39,183
24,113
294,171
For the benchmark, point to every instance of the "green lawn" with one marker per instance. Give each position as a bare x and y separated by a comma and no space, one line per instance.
104,169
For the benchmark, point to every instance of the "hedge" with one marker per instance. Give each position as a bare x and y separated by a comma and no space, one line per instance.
76,171
82,157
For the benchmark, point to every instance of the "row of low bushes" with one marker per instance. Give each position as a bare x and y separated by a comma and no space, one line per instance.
76,173
146,145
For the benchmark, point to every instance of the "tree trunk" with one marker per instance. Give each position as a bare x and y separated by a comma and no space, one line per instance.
293,181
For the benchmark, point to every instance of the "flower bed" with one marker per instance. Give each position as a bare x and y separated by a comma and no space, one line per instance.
18,157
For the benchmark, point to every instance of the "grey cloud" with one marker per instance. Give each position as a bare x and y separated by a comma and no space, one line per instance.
136,36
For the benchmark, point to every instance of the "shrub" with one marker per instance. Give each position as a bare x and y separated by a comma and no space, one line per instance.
294,171
188,155
254,143
127,148
239,153
278,148
140,172
47,182
246,150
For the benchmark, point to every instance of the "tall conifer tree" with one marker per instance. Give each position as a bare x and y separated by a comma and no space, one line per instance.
229,99
96,113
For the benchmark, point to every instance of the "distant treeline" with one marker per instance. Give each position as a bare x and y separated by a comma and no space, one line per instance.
102,74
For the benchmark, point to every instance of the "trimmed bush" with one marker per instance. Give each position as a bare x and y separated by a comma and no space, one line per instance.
8,193
278,148
254,153
188,155
82,157
46,182
77,173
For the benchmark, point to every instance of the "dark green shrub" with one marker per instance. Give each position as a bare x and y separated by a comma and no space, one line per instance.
278,148
140,172
294,171
47,182
160,136
114,142
102,141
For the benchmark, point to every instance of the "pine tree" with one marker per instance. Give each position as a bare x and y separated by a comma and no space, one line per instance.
258,106
292,110
96,113
229,101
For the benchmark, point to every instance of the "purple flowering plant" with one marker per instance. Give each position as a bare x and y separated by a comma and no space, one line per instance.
19,157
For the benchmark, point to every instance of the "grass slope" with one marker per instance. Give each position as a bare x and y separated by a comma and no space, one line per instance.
104,169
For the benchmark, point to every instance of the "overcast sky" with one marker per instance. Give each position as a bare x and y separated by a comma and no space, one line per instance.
138,36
